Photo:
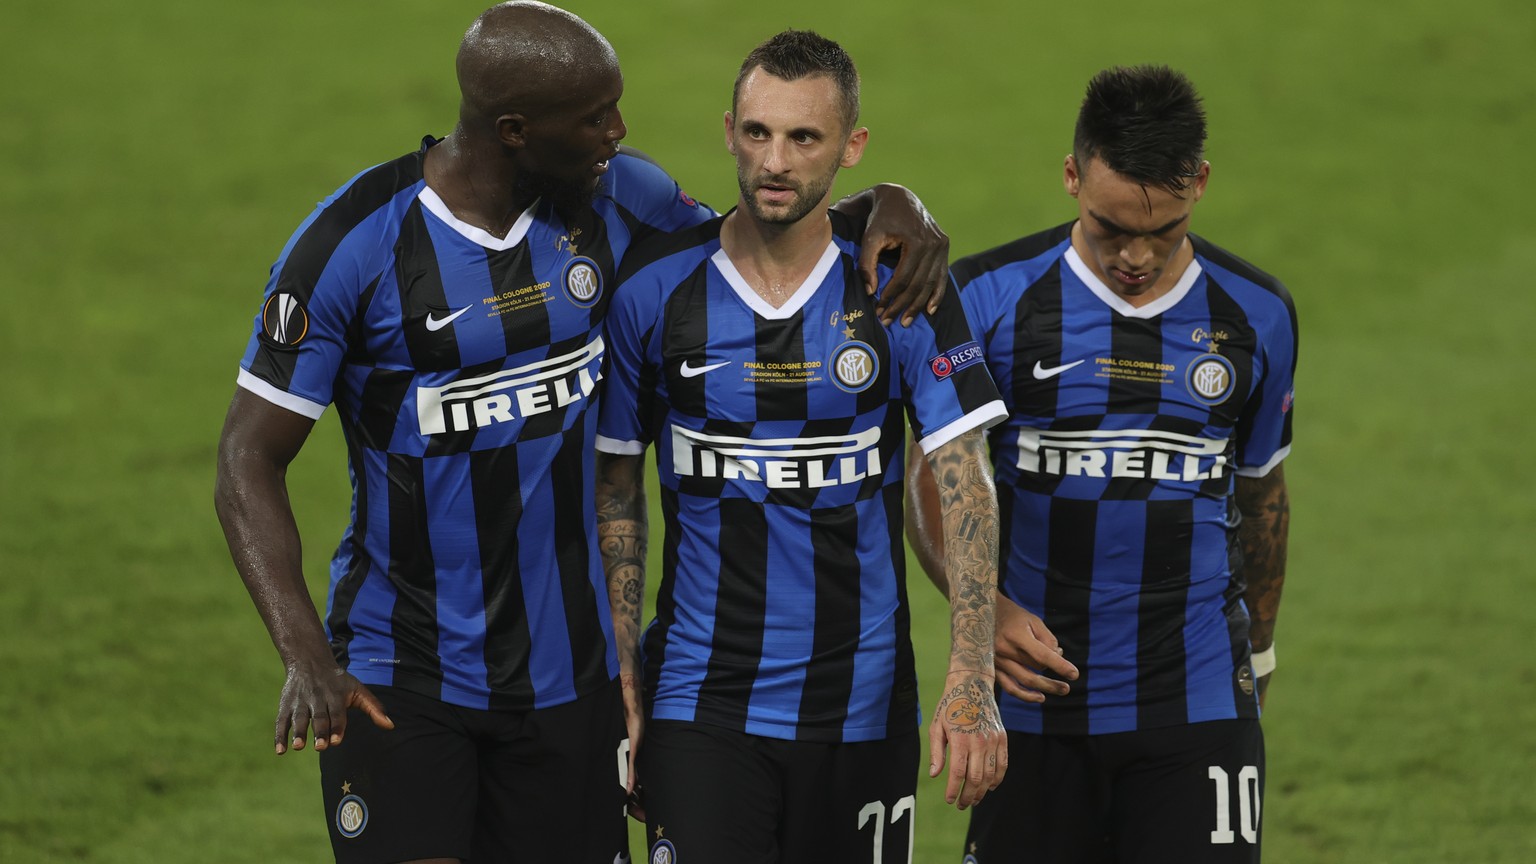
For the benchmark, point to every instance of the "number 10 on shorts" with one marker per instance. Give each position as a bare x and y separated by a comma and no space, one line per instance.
1248,805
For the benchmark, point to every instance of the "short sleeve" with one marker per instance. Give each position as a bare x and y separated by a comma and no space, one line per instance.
1264,430
944,372
631,320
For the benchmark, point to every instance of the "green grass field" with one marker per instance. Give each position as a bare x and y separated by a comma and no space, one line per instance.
1371,157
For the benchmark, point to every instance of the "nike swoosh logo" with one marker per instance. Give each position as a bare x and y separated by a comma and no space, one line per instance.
1042,373
696,371
435,323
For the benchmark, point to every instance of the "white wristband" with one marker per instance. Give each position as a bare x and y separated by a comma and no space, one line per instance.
1264,662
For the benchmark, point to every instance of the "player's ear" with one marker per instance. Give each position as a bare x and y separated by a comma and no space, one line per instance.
853,150
511,129
730,133
1069,176
1204,174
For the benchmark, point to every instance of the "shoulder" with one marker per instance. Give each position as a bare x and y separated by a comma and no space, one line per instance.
1031,254
657,249
1259,292
360,217
636,182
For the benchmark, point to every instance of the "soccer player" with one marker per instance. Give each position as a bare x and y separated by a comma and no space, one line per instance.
1148,376
449,303
779,682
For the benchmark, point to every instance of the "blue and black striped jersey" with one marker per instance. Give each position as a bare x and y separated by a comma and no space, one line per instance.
1115,471
463,367
779,434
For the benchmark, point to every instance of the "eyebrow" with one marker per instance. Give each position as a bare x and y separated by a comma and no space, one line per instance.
1160,230
799,130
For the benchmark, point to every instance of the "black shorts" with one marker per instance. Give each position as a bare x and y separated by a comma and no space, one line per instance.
492,786
1186,794
717,795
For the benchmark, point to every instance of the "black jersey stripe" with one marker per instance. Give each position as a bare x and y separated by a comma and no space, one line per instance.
1135,339
1037,322
685,339
654,641
572,506
903,709
1237,619
384,392
419,287
344,595
835,628
413,622
1160,618
780,340
741,605
1068,584
496,482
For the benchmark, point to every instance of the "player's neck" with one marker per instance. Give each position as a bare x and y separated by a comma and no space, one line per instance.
476,185
1165,281
775,259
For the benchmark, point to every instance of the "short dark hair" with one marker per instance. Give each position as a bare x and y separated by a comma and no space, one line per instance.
1145,122
796,54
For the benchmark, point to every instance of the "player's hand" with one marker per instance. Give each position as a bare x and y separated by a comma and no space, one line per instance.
1263,685
1026,648
898,220
967,721
634,724
318,694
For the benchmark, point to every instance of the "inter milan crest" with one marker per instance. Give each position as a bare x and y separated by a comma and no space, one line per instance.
854,366
583,281
351,816
1211,378
663,853
284,320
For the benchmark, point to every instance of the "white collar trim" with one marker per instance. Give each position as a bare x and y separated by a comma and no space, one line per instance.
796,300
1123,306
434,203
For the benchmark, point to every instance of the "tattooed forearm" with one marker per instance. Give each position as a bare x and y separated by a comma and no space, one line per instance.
622,540
1266,507
968,506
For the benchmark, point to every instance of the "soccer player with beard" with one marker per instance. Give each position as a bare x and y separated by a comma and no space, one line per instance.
449,304
1149,378
780,709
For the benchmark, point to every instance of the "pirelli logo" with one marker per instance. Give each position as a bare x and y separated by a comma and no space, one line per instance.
1134,453
511,394
779,463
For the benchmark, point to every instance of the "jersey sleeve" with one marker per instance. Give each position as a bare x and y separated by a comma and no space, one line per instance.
643,188
312,296
626,400
1264,430
944,374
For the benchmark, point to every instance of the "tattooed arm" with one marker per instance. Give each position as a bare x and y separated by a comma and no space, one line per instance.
1025,647
967,719
621,538
1266,508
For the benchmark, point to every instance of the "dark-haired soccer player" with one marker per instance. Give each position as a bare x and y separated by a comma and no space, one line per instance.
779,681
1148,376
449,303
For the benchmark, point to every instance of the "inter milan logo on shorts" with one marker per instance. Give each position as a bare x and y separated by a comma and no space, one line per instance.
583,282
663,853
284,320
351,816
854,366
1211,378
